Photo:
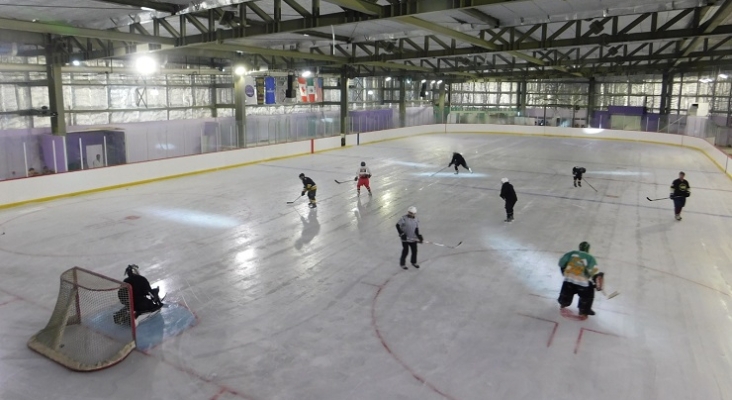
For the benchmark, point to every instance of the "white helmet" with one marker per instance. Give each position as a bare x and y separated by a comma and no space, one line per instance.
504,180
412,210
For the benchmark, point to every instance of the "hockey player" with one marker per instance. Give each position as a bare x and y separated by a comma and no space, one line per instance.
577,172
144,298
458,160
408,228
308,185
581,277
509,195
680,190
362,178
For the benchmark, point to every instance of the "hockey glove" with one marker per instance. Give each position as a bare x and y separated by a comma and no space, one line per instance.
421,239
403,236
369,176
302,193
355,179
687,194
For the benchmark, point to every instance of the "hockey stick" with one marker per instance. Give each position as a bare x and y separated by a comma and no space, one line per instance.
593,188
291,202
444,245
662,198
611,295
440,171
339,182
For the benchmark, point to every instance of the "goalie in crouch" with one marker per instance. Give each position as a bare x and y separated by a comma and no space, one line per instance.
581,277
144,298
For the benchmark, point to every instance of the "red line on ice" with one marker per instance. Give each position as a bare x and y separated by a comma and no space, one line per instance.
409,369
554,330
582,331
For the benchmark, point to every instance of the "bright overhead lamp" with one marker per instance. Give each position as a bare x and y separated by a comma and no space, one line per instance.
147,9
439,82
424,81
370,92
75,63
723,76
146,65
433,82
387,79
307,74
240,70
705,80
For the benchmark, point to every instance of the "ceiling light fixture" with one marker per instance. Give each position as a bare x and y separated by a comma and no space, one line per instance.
146,65
147,9
307,74
723,76
240,70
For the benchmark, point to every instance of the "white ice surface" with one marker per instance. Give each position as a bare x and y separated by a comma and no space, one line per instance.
294,304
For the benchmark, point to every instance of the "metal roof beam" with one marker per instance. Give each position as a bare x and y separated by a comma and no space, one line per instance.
474,41
40,27
480,15
153,5
712,23
358,5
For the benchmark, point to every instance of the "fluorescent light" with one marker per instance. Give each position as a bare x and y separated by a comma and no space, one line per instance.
75,63
307,74
424,80
705,80
439,82
370,92
433,82
146,65
147,9
240,70
388,78
305,34
723,76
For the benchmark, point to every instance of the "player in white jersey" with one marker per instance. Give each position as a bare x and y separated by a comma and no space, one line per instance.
362,178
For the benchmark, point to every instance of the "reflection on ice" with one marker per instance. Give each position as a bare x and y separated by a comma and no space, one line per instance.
192,217
463,175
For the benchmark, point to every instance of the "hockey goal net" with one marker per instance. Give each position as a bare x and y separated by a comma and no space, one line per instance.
90,328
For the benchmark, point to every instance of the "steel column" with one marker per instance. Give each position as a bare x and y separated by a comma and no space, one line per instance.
240,114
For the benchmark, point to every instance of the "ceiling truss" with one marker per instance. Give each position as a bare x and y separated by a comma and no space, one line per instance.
689,39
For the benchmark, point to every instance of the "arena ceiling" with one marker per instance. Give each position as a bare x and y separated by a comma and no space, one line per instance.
454,39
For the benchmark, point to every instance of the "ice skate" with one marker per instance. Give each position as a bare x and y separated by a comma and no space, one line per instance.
312,205
370,194
575,184
579,183
471,170
678,217
358,193
586,313
403,266
415,266
456,172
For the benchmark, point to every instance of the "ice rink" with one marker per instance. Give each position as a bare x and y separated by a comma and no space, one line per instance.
300,304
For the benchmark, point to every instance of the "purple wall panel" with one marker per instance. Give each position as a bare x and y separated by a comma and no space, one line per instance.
47,150
626,110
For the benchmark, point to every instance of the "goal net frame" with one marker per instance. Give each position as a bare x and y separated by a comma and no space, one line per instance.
74,336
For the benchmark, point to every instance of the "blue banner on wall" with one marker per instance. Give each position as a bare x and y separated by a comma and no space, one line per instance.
270,90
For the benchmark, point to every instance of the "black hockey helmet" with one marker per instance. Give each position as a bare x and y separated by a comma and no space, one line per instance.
584,246
132,269
363,163
301,175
